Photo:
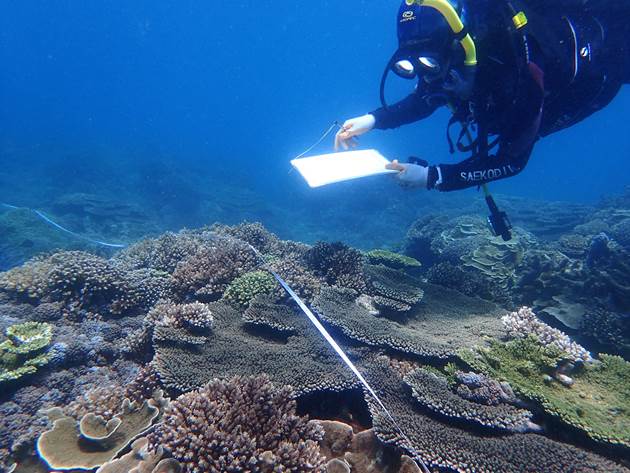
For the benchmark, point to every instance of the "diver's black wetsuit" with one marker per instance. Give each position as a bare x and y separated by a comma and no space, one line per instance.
575,66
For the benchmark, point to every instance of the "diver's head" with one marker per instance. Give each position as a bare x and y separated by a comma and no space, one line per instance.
434,46
425,43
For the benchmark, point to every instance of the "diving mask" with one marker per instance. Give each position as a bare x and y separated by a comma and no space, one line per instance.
420,66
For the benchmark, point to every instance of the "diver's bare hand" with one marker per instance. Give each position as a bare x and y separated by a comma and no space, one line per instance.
346,136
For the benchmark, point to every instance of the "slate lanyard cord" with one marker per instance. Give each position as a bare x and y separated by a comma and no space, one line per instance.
331,341
330,129
54,224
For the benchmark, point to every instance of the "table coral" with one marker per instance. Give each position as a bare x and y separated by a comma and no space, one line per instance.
433,392
393,291
231,349
444,446
392,260
444,322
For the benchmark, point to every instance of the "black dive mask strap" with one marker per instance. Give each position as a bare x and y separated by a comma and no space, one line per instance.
388,69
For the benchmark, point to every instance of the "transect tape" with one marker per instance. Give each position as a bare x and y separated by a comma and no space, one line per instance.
335,346
339,167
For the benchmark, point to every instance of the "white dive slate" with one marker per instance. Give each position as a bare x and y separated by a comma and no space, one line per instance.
338,167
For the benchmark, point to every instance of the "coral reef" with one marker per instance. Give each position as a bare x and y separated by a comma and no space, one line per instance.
231,350
87,285
198,307
392,260
523,323
392,290
444,322
337,264
245,288
432,391
208,272
593,399
93,441
362,452
443,446
25,350
244,424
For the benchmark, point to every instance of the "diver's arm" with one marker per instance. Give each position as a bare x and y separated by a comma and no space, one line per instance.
414,107
515,145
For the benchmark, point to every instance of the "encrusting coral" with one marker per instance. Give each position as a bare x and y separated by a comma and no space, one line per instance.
482,389
593,399
361,452
523,323
244,424
25,350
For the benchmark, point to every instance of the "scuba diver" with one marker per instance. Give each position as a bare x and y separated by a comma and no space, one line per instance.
510,71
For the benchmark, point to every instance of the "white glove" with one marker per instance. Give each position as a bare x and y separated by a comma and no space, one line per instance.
411,175
353,127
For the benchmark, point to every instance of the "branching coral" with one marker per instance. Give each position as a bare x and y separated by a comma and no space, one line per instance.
84,282
253,233
208,273
162,254
195,316
244,424
337,264
25,350
246,287
523,323
301,280
594,402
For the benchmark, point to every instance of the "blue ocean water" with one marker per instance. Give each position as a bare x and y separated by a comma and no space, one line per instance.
191,112
125,119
